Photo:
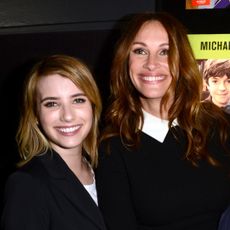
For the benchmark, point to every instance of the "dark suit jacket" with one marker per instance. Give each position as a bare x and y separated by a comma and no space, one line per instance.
45,194
225,220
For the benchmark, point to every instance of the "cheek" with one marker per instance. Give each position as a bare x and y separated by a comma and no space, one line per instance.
46,118
208,87
134,63
130,67
90,116
88,119
44,124
86,113
133,70
213,89
165,65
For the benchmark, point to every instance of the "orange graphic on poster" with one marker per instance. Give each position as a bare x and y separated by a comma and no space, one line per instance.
200,2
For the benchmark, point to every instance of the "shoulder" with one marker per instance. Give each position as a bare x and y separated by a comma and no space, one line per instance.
30,174
116,144
111,154
28,185
115,151
27,178
111,141
225,220
34,169
108,145
25,198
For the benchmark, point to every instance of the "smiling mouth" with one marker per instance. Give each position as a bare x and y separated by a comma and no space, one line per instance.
153,78
69,129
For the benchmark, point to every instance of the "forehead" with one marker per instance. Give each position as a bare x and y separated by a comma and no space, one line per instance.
56,83
152,29
220,78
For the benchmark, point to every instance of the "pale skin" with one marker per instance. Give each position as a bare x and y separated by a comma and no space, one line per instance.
148,66
65,114
219,88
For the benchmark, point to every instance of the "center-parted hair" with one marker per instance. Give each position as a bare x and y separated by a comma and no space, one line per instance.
124,116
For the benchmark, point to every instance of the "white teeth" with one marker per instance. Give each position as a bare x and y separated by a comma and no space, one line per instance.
153,78
69,129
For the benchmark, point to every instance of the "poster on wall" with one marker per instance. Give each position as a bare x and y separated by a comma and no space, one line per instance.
212,52
207,4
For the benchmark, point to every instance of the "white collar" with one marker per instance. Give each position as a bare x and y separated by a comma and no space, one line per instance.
155,127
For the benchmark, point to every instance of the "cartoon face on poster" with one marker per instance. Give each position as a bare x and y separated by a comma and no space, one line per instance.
212,52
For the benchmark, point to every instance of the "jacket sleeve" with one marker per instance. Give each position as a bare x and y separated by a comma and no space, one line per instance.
113,189
24,201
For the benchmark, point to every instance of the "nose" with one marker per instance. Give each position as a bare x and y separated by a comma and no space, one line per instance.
151,62
67,114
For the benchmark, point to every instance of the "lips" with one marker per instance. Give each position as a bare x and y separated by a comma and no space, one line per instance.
69,129
222,95
153,78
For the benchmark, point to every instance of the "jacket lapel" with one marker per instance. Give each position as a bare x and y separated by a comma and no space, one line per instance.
71,187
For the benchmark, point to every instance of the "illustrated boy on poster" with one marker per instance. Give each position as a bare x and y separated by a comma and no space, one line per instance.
216,75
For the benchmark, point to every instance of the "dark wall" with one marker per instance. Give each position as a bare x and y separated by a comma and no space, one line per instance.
209,21
30,15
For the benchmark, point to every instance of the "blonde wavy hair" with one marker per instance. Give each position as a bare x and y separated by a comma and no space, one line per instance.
30,138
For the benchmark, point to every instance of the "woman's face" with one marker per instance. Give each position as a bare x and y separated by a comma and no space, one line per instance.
148,63
64,113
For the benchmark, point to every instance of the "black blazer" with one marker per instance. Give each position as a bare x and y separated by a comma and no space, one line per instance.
45,194
225,220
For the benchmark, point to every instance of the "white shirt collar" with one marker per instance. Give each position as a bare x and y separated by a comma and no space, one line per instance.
155,127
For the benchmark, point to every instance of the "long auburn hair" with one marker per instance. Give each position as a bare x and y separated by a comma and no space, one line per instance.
124,116
30,138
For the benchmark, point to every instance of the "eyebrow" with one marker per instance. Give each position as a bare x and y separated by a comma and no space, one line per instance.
142,43
139,43
56,98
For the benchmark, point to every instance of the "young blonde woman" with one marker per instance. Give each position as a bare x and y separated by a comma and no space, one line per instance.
54,187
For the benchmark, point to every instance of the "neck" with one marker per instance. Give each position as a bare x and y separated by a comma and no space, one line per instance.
72,157
155,110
